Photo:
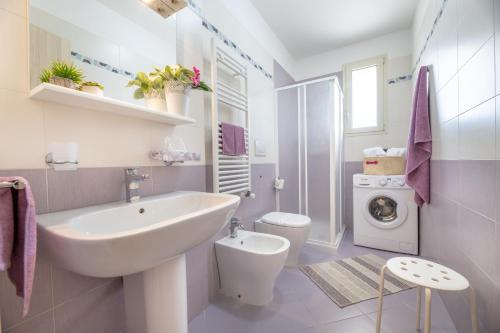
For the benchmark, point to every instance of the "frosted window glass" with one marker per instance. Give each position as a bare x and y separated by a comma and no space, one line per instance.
364,97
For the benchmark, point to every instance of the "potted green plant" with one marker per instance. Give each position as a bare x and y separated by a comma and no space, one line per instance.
92,88
178,82
62,74
151,89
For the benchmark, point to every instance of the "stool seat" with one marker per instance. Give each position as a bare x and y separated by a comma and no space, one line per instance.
427,274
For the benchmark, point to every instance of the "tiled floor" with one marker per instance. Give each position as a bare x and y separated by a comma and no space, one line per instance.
300,307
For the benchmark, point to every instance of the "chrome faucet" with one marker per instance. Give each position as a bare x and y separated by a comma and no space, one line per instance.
132,182
234,226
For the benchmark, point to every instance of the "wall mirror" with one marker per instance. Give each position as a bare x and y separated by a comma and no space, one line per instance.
110,40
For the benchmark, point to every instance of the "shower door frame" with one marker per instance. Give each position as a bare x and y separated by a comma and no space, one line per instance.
336,157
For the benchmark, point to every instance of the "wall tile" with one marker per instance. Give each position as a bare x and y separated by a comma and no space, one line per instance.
446,218
477,78
447,40
26,127
477,236
84,187
43,323
448,140
475,26
14,64
496,5
68,285
429,246
187,178
496,256
497,191
497,130
41,298
265,196
126,142
287,132
497,61
38,182
457,306
477,132
101,310
14,6
446,176
478,177
447,100
488,300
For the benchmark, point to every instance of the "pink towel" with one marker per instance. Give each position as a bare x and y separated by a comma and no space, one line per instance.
20,226
233,140
420,142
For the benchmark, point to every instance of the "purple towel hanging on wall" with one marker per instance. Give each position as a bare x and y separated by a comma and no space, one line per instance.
418,174
18,240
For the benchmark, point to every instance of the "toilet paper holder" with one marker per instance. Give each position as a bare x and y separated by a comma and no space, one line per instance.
279,184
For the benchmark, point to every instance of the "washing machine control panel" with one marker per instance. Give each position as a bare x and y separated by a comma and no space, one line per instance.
374,181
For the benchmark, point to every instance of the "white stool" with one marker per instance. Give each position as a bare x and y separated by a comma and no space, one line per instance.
429,275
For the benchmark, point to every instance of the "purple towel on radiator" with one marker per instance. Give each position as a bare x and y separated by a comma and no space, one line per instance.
239,138
420,142
233,140
18,239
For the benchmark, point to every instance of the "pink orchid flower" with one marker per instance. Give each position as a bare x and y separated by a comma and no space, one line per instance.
196,78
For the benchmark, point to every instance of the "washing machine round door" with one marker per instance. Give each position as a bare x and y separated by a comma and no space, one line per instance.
385,210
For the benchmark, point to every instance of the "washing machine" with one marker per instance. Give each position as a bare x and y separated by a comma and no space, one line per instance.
385,216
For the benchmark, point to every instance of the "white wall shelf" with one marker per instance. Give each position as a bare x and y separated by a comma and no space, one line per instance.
61,95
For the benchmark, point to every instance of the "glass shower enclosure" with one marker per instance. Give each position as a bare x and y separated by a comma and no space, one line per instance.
310,156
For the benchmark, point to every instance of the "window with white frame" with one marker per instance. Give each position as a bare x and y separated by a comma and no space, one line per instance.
364,96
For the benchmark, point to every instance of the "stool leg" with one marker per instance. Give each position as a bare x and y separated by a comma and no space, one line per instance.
419,306
380,298
473,310
427,322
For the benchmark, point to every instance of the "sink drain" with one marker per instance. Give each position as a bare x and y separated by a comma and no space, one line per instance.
142,211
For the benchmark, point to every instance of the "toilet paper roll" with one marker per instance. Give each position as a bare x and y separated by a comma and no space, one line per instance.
279,184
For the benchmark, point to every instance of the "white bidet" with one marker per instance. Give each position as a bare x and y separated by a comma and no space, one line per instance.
249,265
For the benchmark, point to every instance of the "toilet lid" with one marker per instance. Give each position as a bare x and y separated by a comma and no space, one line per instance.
286,219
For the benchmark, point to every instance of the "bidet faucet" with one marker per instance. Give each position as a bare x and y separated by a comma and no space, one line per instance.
234,226
132,182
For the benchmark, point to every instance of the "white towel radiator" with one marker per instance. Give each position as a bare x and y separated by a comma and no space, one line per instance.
231,174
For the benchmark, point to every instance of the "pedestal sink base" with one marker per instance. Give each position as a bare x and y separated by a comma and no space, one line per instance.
156,299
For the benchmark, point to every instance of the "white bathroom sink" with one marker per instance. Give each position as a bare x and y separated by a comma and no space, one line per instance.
121,238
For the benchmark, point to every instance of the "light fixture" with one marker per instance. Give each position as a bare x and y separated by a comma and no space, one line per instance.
165,8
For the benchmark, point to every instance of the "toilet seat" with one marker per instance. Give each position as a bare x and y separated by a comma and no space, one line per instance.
286,220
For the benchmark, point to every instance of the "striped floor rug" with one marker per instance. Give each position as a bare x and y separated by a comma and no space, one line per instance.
353,280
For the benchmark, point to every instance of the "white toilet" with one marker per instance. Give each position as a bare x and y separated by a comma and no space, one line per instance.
249,265
293,227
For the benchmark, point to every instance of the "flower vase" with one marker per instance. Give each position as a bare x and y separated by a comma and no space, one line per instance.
177,97
92,90
63,82
156,101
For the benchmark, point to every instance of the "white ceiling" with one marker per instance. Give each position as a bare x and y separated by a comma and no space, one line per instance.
309,27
